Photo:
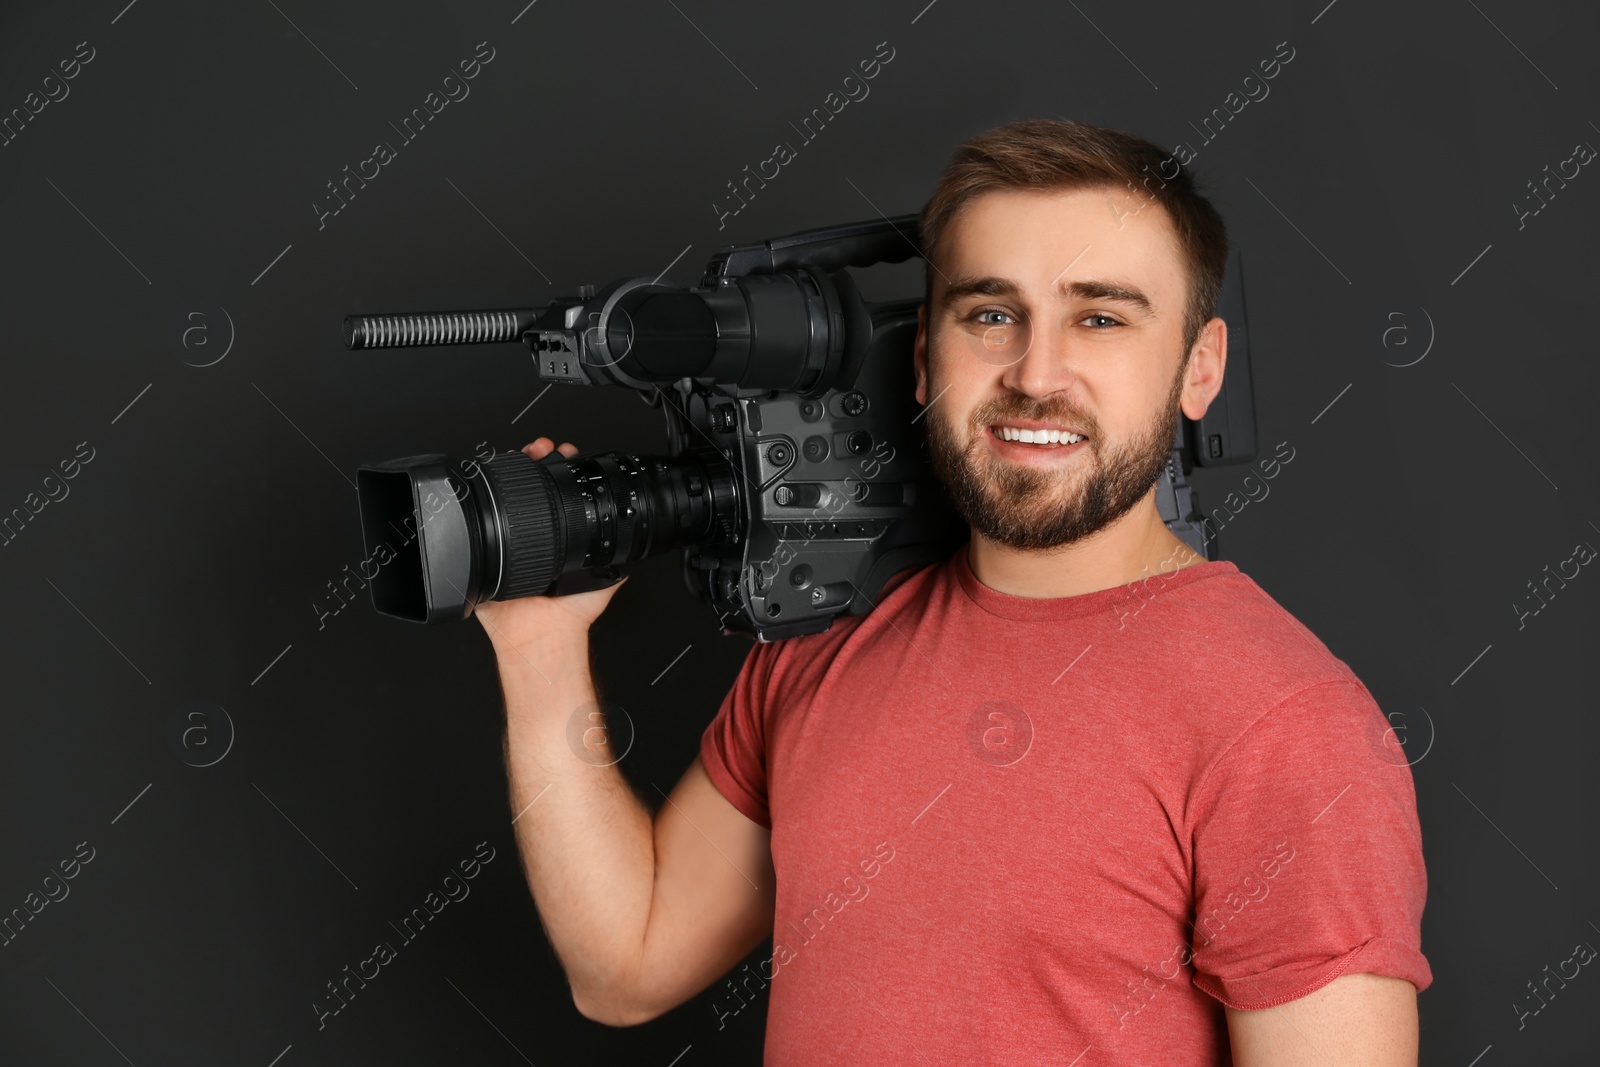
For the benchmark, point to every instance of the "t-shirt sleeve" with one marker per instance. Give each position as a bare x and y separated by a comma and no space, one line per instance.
733,748
1307,854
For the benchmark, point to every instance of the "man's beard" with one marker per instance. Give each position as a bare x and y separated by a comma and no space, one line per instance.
1036,508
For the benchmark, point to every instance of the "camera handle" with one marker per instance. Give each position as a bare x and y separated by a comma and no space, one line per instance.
855,244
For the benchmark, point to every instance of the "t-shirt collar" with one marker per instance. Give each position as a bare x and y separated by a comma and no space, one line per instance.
1042,609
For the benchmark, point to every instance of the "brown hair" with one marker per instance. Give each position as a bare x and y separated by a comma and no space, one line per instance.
1053,154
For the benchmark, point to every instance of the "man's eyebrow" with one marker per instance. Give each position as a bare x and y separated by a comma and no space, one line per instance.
967,285
1081,289
1095,289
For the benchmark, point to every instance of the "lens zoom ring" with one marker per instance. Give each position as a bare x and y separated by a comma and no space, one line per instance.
533,545
576,519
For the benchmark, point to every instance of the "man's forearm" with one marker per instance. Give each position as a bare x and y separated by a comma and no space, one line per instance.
587,842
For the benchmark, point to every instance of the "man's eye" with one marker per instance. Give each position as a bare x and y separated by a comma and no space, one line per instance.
1109,321
978,317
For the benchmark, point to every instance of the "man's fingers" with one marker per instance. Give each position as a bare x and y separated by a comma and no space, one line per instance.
540,447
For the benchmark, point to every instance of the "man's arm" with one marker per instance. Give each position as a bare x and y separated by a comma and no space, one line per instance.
642,913
715,895
1357,1020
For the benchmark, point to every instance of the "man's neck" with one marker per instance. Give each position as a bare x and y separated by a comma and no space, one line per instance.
1136,546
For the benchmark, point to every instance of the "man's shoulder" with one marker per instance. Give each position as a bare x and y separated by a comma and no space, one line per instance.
1232,658
1240,639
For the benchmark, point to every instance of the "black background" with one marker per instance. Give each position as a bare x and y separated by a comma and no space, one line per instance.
1378,177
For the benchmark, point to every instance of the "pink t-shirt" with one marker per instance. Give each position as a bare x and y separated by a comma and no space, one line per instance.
1011,830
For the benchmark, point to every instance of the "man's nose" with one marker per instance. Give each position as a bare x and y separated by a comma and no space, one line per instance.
1046,362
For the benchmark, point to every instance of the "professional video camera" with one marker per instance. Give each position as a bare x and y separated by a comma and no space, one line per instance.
797,481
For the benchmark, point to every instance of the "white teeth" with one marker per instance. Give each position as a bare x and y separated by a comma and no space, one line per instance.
1038,437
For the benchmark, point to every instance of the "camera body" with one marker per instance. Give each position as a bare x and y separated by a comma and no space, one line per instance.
798,478
838,490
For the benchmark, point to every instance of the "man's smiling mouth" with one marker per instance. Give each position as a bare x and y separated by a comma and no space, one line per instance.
1036,434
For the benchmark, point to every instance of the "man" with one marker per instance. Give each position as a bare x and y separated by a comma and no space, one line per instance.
1073,795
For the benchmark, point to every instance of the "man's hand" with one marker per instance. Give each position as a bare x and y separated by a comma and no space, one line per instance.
513,624
1357,1020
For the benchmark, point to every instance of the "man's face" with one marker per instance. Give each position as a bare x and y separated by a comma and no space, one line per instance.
1054,310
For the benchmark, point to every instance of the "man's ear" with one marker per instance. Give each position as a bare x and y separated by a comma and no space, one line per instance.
919,354
1207,360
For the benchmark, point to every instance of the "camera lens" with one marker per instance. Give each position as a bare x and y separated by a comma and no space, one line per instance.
445,536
